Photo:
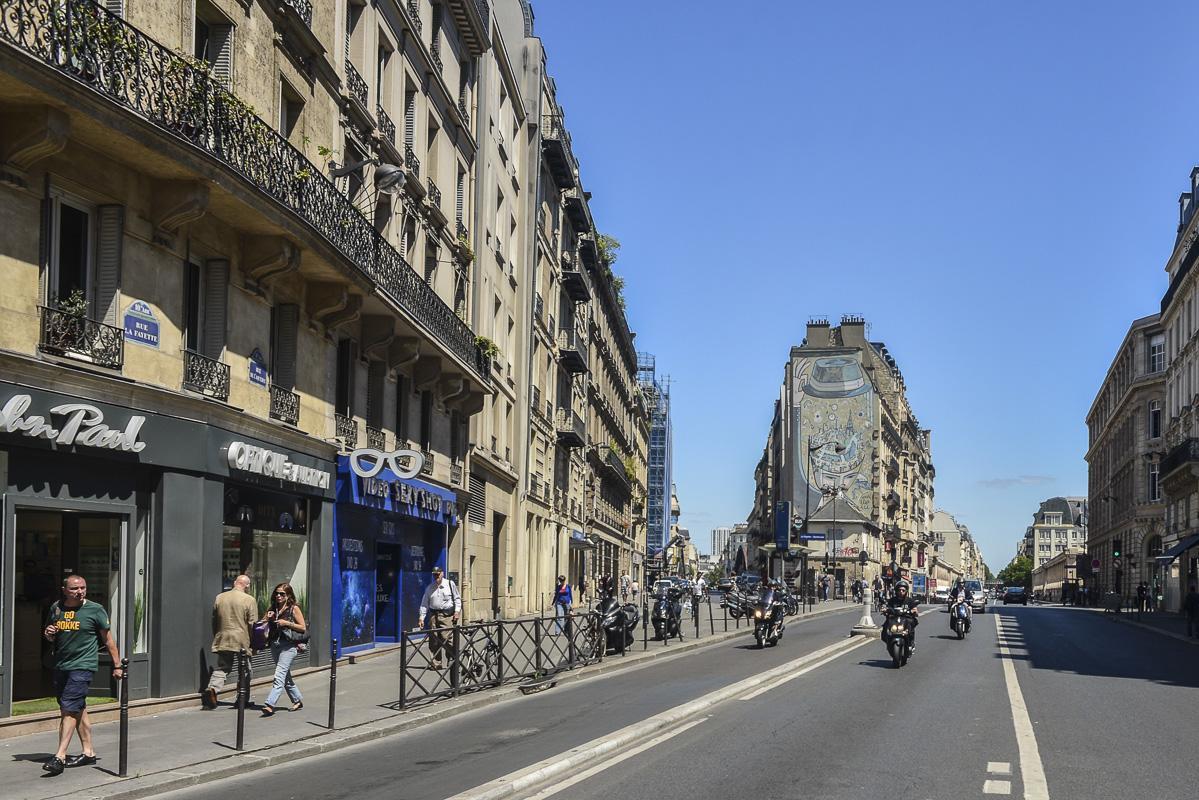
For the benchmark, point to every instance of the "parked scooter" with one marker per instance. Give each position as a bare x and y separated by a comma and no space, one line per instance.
667,613
899,631
768,614
615,618
959,617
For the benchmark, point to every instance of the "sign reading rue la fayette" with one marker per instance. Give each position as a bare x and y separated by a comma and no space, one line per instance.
82,424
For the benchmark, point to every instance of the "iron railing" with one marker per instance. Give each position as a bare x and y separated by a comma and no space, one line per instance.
205,375
356,84
456,473
464,111
440,663
85,42
435,58
411,161
303,9
434,193
539,308
375,438
414,12
1186,452
81,339
426,468
346,429
463,231
386,126
285,405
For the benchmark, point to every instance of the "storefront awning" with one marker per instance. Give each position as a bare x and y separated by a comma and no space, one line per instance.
1178,549
579,541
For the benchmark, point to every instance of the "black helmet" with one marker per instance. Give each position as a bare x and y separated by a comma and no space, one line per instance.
902,585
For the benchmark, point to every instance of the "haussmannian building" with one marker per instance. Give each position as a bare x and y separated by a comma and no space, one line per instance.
1059,526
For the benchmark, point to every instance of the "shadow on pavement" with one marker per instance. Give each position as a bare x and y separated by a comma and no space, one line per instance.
1064,639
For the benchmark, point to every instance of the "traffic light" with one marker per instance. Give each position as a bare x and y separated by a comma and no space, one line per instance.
1116,549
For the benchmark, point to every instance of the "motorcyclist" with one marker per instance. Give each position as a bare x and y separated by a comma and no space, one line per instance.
960,593
901,600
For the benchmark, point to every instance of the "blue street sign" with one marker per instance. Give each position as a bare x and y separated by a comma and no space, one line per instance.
782,525
812,537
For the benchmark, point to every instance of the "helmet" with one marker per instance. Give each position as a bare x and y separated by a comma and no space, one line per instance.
903,585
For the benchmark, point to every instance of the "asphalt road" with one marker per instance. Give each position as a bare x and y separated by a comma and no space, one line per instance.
1114,714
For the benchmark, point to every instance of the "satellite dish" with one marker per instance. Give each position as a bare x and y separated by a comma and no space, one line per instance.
387,176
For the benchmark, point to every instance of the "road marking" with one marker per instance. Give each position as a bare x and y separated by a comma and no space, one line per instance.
999,767
1032,771
768,687
550,791
997,787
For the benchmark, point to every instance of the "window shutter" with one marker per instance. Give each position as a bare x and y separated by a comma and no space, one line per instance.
221,37
216,307
410,118
110,232
458,195
287,321
375,374
116,7
44,250
476,507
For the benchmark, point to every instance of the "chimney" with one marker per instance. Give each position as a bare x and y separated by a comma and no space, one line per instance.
818,333
853,331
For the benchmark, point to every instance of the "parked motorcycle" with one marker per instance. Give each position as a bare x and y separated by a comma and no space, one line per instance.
899,631
736,602
768,616
616,617
959,617
790,603
668,611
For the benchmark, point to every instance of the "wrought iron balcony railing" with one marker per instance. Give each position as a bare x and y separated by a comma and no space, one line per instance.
375,438
81,339
411,161
356,84
435,57
303,9
180,96
386,126
206,376
1186,452
456,473
463,231
539,308
434,193
414,12
285,405
427,467
464,111
346,429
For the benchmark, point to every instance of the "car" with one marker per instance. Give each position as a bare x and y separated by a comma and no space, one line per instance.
748,583
975,587
941,595
724,584
1015,594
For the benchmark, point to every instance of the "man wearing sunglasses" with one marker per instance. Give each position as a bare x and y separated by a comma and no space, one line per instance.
233,615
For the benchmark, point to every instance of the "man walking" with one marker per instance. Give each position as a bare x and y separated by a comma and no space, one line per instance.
1190,606
78,628
442,605
233,615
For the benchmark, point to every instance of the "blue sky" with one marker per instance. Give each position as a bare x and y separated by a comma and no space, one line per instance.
993,186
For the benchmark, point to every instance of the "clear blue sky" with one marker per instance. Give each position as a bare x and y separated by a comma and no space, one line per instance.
993,185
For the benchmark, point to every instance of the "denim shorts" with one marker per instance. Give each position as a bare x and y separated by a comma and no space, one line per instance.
71,687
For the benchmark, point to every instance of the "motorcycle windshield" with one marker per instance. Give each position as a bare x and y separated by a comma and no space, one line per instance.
766,597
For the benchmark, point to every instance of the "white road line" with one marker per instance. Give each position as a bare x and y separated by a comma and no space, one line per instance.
550,791
1032,771
771,686
997,787
999,767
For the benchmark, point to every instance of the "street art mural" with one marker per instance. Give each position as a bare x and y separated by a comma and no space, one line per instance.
833,410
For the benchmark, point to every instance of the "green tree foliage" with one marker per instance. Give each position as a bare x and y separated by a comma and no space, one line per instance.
1017,573
987,572
609,248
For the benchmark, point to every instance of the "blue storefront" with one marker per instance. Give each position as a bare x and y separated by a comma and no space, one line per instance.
389,532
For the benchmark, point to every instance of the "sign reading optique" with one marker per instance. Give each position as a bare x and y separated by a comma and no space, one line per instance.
261,461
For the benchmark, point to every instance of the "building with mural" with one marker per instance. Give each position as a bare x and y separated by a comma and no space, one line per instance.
847,452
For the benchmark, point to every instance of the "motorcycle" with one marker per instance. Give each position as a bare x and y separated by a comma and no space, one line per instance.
617,617
790,603
899,631
668,612
768,614
736,602
959,618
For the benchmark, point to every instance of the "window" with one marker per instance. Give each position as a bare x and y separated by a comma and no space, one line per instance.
1157,353
1155,419
213,41
344,401
285,320
1155,491
191,306
72,248
402,403
426,419
291,106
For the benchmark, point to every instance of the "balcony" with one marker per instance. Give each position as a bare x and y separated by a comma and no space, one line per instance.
615,465
893,466
456,473
303,9
464,111
434,199
893,500
105,57
81,339
285,405
426,468
346,429
205,376
375,438
473,20
588,251
414,13
572,352
539,308
575,282
355,86
571,430
537,400
576,208
412,175
387,128
1183,454
555,145
435,60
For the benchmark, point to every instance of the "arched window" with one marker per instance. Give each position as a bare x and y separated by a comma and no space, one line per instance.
1153,548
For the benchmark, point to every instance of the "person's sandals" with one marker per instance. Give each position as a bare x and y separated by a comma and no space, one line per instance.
81,760
299,704
267,711
54,766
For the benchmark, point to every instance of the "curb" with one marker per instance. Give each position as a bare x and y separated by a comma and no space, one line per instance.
321,742
1143,626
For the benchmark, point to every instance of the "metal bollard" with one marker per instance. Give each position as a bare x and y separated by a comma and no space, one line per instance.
333,684
403,667
537,645
242,696
644,628
123,689
711,621
696,621
499,643
724,607
570,640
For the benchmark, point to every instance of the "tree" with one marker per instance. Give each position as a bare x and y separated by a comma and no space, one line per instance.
987,572
1017,573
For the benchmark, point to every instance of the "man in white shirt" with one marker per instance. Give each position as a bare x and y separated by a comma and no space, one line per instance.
439,608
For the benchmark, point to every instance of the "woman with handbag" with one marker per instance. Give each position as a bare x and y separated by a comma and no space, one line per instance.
288,637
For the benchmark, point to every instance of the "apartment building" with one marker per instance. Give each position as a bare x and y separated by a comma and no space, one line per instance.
233,335
1126,437
954,546
1059,526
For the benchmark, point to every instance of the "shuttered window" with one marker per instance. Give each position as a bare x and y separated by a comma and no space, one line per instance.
344,400
110,235
410,118
115,7
402,404
283,345
192,303
221,49
460,195
375,374
476,509
216,307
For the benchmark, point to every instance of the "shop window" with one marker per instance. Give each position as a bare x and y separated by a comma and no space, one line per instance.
266,538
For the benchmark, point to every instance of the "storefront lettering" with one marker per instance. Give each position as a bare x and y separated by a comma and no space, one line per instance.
84,425
350,546
408,495
260,461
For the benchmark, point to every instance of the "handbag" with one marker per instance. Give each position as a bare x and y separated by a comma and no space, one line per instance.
292,635
260,634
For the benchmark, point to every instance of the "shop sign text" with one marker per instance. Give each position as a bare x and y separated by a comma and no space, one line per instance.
141,326
82,425
407,495
261,461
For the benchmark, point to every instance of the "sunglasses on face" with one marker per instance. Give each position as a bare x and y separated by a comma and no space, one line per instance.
280,594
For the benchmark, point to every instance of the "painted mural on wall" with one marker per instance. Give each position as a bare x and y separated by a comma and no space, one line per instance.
834,409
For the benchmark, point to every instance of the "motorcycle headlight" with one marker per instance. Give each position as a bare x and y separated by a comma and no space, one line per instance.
758,613
896,629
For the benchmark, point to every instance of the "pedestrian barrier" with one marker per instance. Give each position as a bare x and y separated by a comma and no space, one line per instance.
332,683
243,694
123,734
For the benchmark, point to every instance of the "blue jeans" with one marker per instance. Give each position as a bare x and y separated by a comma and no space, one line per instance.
559,615
285,653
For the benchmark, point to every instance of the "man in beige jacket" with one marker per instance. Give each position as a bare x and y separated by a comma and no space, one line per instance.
233,615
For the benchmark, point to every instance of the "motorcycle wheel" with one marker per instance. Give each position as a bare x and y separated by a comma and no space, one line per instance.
960,631
761,639
906,649
896,659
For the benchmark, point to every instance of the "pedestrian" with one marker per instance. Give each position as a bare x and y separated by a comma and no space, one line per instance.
1190,605
624,587
1142,594
288,638
439,608
636,589
78,628
563,602
233,615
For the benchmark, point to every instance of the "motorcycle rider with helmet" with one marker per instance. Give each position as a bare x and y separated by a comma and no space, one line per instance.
901,600
961,593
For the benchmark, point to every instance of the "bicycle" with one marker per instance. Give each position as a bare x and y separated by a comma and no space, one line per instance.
479,664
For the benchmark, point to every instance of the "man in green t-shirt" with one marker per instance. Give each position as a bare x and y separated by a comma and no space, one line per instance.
78,629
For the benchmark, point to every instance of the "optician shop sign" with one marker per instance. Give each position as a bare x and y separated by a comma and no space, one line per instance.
268,463
70,424
393,486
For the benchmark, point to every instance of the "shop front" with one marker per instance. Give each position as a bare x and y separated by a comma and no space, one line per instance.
156,512
391,529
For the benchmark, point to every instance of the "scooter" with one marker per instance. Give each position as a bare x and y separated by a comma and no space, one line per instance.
959,618
768,618
667,613
898,632
615,618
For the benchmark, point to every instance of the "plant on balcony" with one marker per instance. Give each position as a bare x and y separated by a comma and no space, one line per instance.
609,248
73,305
465,252
487,347
630,469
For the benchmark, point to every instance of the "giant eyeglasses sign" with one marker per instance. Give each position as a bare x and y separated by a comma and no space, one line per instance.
367,462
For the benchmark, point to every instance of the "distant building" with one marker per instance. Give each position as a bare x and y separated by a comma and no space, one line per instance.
1059,526
656,394
954,546
720,543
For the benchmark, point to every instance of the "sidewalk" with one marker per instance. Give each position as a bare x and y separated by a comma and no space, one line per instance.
1164,622
186,747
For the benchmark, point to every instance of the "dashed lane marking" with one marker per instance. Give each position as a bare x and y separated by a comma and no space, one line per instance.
999,768
1032,770
997,787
